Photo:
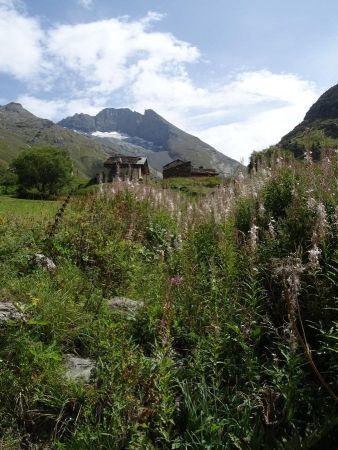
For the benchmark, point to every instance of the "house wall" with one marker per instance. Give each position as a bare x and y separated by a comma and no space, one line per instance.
203,173
182,169
126,172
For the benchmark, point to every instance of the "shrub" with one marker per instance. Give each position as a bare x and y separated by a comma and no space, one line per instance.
278,194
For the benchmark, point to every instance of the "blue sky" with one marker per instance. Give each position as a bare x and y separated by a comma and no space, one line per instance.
237,73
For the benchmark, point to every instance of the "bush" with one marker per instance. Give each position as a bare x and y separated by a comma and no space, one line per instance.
278,194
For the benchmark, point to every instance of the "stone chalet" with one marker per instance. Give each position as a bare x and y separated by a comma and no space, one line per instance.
125,168
179,168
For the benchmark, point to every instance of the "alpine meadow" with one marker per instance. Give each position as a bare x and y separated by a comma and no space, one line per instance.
155,292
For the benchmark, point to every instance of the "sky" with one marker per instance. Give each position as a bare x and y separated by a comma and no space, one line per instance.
239,74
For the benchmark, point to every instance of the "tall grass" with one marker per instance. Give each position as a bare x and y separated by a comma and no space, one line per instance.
235,345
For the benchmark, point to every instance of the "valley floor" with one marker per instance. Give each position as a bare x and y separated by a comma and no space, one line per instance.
38,209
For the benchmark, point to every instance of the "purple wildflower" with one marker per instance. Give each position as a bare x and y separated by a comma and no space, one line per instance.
176,280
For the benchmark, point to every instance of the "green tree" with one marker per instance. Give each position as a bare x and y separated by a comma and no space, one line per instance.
45,170
3,168
8,179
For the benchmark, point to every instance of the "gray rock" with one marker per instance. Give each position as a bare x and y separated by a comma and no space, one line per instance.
44,262
9,312
78,369
124,304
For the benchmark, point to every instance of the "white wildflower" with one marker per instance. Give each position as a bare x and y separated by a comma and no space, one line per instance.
253,235
308,156
311,203
272,231
314,254
322,223
261,210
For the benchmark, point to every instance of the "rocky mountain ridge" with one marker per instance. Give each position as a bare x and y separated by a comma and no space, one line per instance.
151,133
318,130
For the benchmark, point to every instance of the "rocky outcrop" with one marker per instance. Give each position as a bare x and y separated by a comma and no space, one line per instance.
326,107
124,304
44,262
320,122
78,369
8,311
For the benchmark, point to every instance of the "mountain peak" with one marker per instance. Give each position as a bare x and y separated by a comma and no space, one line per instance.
318,129
117,110
326,107
14,107
150,112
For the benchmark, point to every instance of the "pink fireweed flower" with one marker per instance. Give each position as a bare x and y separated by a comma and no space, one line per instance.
176,280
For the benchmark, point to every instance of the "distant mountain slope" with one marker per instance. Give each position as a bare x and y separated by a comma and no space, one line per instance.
89,140
153,137
319,129
19,130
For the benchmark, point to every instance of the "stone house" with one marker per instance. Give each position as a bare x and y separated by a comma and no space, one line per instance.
180,168
125,168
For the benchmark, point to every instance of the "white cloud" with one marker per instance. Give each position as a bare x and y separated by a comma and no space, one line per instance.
239,139
120,62
20,42
111,54
58,109
85,3
250,112
253,112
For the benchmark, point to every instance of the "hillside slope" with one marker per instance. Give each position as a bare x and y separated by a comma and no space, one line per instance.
319,129
19,130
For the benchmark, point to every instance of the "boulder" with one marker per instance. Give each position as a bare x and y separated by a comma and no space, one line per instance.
8,311
78,369
124,304
44,262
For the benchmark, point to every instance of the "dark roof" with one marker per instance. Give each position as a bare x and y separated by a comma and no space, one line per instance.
176,162
194,170
121,159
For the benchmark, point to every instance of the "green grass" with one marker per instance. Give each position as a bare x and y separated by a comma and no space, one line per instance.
38,209
11,145
192,185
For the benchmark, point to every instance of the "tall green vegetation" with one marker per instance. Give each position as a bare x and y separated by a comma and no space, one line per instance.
8,179
235,345
45,170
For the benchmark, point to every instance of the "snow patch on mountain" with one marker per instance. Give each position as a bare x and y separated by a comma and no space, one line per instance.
110,134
